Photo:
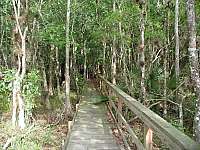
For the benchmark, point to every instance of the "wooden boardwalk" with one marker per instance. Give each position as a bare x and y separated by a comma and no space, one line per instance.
91,130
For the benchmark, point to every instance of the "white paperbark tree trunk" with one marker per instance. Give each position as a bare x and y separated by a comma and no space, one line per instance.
177,59
18,100
67,64
194,63
114,61
142,55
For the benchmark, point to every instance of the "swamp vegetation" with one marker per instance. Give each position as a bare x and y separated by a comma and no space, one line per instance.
50,49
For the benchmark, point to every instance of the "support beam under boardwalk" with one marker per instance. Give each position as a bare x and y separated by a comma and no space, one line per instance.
91,130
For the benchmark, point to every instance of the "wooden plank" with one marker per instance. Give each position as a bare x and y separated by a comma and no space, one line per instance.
91,129
69,130
169,135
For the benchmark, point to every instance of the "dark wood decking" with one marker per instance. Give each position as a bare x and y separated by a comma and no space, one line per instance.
91,130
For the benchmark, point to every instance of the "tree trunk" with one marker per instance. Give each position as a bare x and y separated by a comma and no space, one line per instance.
67,76
177,67
51,68
85,60
142,55
1,42
46,89
19,44
58,73
114,52
166,61
194,63
104,59
181,113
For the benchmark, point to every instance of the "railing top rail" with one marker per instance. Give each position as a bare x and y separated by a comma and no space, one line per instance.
169,135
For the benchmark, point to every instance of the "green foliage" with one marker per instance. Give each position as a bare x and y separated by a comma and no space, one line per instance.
154,78
31,90
80,82
56,102
135,74
52,21
171,83
93,24
198,17
99,99
33,137
25,144
6,88
5,83
176,123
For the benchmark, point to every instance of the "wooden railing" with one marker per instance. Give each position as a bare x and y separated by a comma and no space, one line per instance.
169,135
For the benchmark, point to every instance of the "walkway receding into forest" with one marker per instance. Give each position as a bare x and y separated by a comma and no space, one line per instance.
91,130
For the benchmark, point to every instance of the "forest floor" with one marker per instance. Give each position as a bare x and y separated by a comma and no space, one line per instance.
42,134
47,131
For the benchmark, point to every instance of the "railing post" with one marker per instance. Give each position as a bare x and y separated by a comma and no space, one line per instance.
100,85
120,105
148,138
110,98
168,134
77,105
69,126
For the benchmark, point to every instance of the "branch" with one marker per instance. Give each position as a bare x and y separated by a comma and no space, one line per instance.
17,17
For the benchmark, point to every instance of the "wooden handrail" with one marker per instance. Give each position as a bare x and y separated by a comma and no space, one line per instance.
169,135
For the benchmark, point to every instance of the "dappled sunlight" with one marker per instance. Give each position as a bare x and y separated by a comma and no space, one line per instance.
99,74
90,127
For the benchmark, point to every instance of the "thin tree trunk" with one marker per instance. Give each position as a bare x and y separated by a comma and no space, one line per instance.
142,55
35,48
181,113
58,73
104,58
23,72
51,70
177,55
114,52
165,83
1,43
177,69
67,76
85,60
166,64
46,89
194,63
20,44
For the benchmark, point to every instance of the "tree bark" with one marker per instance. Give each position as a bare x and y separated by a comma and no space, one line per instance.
51,68
19,44
58,73
166,55
45,86
1,42
142,55
85,60
177,56
104,59
114,52
194,63
67,76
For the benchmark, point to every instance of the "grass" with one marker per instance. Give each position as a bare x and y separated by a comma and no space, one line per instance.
41,134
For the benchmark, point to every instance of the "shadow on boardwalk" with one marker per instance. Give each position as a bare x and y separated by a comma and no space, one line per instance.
91,130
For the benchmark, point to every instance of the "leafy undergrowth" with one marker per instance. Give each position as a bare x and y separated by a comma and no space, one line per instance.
41,135
47,130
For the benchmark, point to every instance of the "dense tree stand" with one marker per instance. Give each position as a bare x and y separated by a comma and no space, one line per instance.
142,56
